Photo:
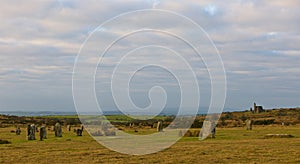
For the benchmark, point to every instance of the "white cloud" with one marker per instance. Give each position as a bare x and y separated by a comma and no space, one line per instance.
258,41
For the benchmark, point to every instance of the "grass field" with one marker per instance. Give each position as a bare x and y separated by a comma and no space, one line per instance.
231,145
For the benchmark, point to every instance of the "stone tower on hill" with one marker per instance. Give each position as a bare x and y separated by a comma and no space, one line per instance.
257,109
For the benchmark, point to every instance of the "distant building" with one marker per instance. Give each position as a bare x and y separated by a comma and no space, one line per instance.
257,109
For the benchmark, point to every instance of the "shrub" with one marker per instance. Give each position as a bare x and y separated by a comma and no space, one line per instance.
228,116
281,113
264,122
197,124
243,118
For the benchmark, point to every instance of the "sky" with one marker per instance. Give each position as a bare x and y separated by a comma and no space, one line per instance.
258,41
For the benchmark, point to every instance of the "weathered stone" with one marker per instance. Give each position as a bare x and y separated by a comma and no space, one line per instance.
104,126
180,133
31,132
43,133
69,128
58,130
28,130
208,128
18,130
159,126
249,124
213,132
79,132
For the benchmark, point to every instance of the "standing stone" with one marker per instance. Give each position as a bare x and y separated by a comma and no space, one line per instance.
43,133
18,130
69,128
213,132
180,133
159,126
31,132
79,132
104,126
58,131
249,124
28,130
208,128
33,128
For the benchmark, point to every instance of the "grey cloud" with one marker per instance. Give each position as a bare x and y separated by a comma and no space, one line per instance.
258,41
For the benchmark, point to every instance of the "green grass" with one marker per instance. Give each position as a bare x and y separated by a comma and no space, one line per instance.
231,145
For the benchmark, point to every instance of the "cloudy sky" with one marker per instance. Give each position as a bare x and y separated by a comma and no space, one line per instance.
258,41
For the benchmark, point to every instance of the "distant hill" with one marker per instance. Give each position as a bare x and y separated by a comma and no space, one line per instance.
282,116
167,112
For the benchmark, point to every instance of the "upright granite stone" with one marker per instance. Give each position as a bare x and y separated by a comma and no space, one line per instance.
104,126
31,132
208,128
58,131
213,132
43,133
249,124
18,130
28,130
79,132
159,126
